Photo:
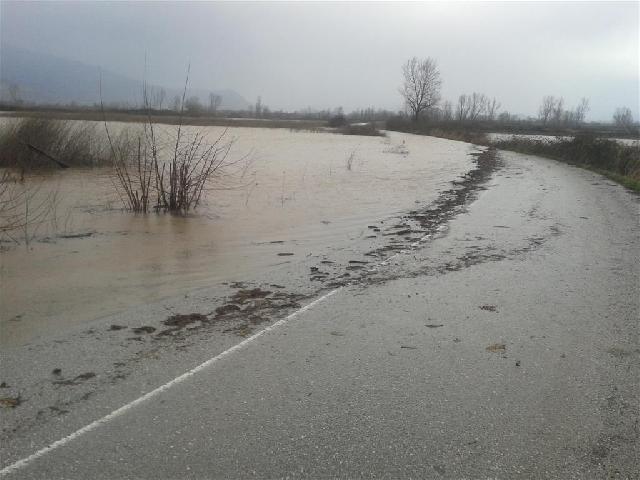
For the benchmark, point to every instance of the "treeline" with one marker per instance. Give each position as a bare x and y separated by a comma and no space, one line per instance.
424,111
196,109
425,108
478,112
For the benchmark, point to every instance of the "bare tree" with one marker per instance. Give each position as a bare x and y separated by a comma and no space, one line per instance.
258,109
623,118
558,111
421,87
214,103
478,105
547,108
581,110
158,98
192,105
470,107
504,117
462,109
176,104
447,111
492,108
569,117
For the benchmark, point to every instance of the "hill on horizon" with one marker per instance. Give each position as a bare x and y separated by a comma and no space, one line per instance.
47,79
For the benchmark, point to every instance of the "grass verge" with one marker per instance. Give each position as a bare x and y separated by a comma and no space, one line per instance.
620,163
36,143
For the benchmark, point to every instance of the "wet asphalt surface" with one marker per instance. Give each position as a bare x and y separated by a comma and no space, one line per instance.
503,345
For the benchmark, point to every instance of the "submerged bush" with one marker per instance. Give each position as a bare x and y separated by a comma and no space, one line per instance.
35,143
170,175
24,208
366,129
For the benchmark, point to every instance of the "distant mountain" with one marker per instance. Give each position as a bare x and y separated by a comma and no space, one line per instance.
46,79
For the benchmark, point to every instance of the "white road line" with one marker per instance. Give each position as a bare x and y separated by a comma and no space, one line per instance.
125,408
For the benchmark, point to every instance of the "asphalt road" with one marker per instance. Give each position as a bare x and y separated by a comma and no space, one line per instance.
505,348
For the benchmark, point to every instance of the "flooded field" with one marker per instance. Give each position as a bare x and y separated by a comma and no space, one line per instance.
303,193
497,137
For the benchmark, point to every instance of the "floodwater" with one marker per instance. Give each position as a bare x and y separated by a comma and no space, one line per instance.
497,137
297,195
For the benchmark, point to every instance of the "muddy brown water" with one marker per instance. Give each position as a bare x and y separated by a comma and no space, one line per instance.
298,197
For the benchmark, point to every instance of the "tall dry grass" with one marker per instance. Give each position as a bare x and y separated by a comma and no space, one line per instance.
24,208
605,156
38,143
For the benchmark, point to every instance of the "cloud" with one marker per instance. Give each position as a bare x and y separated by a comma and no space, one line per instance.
329,54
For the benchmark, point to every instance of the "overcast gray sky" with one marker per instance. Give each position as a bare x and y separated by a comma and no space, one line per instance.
324,55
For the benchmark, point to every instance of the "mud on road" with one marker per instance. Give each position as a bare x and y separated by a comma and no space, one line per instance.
516,304
118,349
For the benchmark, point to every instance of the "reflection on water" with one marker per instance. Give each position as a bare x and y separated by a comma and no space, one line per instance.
95,259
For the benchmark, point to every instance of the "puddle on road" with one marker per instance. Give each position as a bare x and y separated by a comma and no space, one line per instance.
298,198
